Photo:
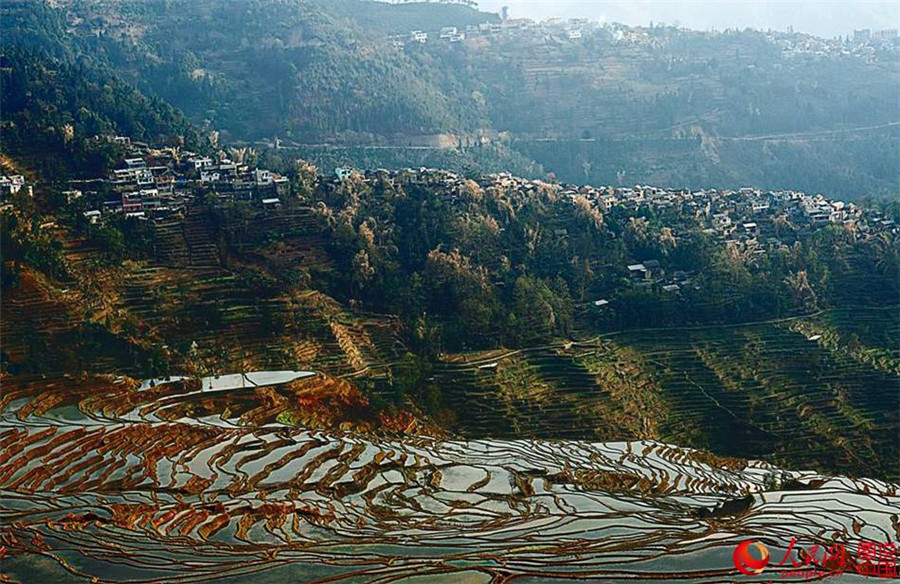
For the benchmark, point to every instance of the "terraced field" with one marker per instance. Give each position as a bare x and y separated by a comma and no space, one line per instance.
814,392
103,478
551,462
206,302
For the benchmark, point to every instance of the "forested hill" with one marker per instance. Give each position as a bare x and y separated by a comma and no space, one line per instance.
380,19
305,69
608,105
53,109
57,96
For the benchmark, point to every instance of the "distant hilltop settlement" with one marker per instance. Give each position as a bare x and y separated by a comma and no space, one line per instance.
155,183
863,44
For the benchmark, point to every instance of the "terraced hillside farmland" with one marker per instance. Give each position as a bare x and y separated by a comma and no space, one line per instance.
360,286
222,363
807,392
103,479
219,294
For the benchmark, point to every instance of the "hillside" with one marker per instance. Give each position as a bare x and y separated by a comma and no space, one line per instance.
494,306
54,108
609,105
252,70
356,291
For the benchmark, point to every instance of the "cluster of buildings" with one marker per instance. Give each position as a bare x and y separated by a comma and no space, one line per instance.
651,273
743,216
751,220
864,44
161,181
572,29
11,185
449,34
866,35
793,45
861,46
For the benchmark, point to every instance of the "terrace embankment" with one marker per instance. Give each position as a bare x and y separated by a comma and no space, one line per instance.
172,483
808,392
219,294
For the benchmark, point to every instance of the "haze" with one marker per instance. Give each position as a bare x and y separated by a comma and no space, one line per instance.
827,19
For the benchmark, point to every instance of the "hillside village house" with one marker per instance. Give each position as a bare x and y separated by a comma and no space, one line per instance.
201,162
741,217
72,195
638,271
270,204
653,268
452,34
10,185
132,203
150,199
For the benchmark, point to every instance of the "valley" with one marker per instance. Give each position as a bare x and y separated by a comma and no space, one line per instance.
621,105
361,291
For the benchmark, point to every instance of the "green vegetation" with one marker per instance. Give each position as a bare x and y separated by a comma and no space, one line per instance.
24,243
54,108
678,108
491,265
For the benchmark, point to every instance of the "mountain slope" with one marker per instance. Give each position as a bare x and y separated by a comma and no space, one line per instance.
615,106
53,108
475,301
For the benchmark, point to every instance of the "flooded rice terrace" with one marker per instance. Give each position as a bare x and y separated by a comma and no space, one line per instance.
121,481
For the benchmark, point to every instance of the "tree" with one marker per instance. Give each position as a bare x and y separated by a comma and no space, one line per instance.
111,241
804,295
362,271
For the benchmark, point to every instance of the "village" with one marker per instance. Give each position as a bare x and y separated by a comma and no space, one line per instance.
750,221
151,183
159,185
735,217
865,44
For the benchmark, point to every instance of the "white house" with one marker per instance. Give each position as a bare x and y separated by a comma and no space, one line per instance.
263,177
71,195
144,176
637,270
210,176
10,185
202,162
150,199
